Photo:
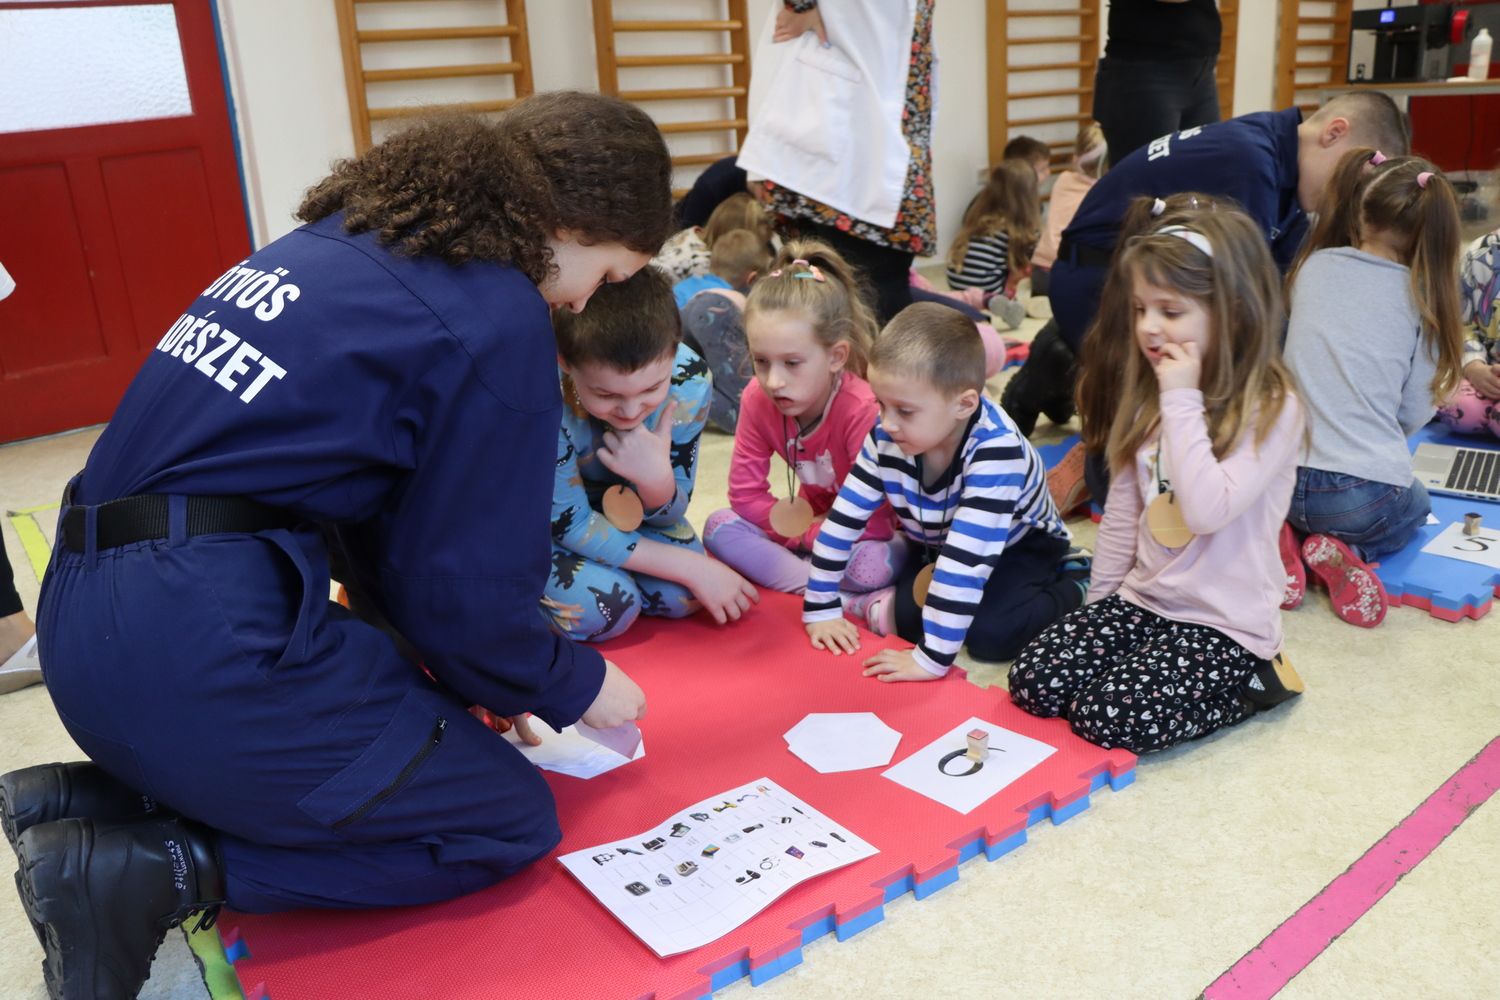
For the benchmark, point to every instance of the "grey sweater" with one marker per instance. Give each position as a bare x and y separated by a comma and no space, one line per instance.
1355,344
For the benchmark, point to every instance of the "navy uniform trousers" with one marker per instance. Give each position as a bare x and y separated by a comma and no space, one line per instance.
387,792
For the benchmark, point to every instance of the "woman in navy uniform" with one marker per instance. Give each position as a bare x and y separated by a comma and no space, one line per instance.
386,376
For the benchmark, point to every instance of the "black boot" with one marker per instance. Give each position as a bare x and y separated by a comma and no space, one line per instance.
102,895
1061,368
1044,384
77,790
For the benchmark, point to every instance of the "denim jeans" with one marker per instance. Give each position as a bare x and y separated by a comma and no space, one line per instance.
1371,518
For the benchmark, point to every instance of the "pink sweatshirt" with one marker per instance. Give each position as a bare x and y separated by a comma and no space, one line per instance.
823,458
1229,577
1067,194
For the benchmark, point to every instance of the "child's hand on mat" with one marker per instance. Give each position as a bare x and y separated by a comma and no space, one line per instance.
644,458
1179,367
620,700
723,593
1484,378
837,635
896,665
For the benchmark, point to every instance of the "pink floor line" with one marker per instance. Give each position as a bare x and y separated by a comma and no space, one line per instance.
1291,947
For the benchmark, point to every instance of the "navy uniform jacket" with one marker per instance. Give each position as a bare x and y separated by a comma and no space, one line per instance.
332,377
1252,159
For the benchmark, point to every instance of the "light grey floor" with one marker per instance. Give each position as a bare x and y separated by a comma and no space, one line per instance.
1152,892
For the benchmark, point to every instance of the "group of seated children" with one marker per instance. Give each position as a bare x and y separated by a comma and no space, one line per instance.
913,504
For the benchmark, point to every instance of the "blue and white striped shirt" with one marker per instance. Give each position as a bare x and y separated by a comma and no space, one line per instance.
995,493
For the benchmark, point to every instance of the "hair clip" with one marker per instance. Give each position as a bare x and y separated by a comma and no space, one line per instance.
1157,207
1423,178
1377,158
1194,237
813,273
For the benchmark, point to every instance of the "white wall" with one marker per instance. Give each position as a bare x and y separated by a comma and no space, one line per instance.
293,114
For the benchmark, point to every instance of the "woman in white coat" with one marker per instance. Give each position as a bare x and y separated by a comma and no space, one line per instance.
841,132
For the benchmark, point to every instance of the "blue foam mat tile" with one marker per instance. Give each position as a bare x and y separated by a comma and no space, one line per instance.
1448,589
845,930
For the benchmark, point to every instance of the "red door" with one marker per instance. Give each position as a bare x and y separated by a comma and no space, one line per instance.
120,197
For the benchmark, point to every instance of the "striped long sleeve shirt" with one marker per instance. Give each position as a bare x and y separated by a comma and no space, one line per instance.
993,494
986,264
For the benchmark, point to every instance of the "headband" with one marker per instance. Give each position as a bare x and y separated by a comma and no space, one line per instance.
1194,237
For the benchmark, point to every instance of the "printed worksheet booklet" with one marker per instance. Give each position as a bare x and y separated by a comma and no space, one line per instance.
706,870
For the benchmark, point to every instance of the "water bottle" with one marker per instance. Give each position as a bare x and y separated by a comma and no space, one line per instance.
1479,55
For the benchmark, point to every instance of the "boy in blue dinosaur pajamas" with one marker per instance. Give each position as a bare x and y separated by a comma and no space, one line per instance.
635,403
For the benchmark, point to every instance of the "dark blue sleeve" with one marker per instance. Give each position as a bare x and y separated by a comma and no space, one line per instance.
466,555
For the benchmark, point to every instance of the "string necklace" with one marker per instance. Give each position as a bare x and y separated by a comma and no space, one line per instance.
621,504
1164,516
792,515
923,581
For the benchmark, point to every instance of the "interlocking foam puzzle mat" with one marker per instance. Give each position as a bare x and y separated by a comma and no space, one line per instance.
1448,589
720,699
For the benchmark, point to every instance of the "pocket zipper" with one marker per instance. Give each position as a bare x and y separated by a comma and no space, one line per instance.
370,804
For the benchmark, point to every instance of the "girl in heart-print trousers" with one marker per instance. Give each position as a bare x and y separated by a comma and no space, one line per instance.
1181,634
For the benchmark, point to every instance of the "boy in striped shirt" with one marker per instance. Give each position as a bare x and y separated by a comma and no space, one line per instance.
971,496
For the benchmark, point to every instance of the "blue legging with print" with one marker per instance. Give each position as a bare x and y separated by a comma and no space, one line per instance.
591,602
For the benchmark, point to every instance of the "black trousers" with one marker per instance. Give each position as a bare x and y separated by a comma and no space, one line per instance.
888,271
1026,592
1137,101
10,601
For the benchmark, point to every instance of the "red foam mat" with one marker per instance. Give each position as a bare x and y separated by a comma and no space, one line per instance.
719,700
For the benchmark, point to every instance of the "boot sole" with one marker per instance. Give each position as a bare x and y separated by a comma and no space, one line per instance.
1295,587
1357,595
63,919
37,881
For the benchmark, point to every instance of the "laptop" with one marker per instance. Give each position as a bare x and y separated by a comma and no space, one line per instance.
1465,472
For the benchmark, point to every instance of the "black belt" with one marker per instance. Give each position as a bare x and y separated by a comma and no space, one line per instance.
144,518
1083,255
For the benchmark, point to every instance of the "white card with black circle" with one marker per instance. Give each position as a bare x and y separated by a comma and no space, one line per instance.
945,772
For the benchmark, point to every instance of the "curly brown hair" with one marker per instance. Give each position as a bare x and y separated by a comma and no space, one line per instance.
464,188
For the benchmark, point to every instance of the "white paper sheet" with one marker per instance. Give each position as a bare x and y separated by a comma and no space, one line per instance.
571,753
623,739
1010,756
842,741
704,871
1483,548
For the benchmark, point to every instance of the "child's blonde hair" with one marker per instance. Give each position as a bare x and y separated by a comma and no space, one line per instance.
1010,202
738,255
1244,382
1091,151
1407,197
738,211
811,278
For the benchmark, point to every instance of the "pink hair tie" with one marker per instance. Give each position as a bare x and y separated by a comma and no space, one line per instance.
1423,178
1377,158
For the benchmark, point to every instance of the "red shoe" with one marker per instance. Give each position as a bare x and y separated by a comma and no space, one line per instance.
1358,597
1296,573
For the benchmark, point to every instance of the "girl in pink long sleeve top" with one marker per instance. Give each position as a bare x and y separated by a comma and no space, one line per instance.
1181,634
808,332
